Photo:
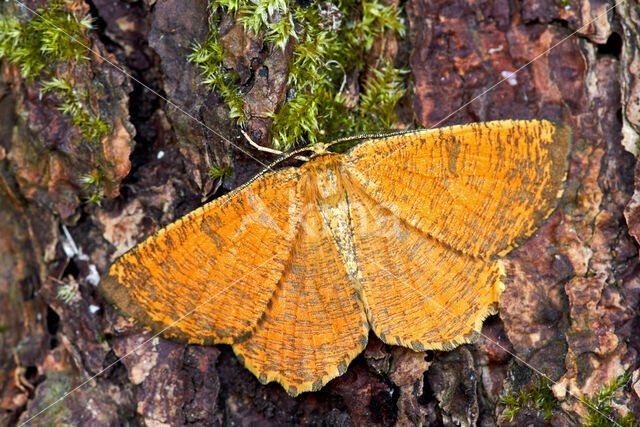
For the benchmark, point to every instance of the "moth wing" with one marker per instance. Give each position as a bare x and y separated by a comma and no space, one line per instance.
479,188
420,293
314,325
209,276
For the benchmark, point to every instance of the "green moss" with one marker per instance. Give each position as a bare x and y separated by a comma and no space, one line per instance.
94,191
69,293
92,184
538,397
53,36
95,177
381,93
44,40
209,56
600,411
74,104
330,41
219,172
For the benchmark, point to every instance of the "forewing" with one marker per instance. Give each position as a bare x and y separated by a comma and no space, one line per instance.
314,325
478,188
208,277
421,294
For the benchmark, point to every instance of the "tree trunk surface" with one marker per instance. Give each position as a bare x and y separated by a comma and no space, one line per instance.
570,308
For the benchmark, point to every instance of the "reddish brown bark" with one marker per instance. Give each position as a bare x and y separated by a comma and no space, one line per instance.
570,307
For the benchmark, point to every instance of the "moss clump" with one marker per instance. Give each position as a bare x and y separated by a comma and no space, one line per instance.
538,397
600,411
219,172
56,35
330,42
209,56
74,104
69,293
93,184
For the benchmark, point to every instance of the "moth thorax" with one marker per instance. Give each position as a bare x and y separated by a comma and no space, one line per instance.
327,179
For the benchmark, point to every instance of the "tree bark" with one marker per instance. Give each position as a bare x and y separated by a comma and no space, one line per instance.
569,311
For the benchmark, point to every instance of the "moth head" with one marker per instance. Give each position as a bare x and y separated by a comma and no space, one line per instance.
318,149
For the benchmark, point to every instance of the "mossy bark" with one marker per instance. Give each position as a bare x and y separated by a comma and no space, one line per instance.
570,306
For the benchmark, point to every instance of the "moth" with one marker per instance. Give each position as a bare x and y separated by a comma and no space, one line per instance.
402,235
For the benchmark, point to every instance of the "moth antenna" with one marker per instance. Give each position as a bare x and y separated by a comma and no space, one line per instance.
270,150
